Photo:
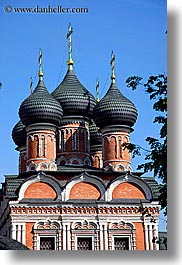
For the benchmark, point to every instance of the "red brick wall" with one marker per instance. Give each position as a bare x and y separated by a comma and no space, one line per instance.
140,241
126,153
127,190
29,235
84,191
40,190
109,147
50,148
33,147
22,162
114,153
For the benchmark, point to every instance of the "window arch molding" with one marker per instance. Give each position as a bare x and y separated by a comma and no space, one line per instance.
47,230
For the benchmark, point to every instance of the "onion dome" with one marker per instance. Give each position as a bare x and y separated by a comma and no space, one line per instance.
19,134
74,98
114,108
40,106
95,135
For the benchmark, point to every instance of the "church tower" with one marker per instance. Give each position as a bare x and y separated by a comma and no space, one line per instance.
78,104
41,114
115,115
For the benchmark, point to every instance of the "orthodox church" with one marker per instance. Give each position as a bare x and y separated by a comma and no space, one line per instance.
76,189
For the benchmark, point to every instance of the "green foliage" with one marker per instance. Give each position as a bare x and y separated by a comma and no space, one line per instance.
156,156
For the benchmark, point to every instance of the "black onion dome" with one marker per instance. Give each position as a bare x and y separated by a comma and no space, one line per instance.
19,134
41,107
115,109
74,98
95,135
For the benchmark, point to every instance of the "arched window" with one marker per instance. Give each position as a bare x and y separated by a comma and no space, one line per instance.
47,235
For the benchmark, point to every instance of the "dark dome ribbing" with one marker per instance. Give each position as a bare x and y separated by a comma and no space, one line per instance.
115,109
41,107
19,134
95,135
74,98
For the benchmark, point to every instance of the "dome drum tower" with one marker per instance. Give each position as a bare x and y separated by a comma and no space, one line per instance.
41,113
115,115
41,151
78,104
114,155
74,142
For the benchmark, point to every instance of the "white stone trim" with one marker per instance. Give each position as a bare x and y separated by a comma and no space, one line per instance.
105,237
150,237
38,233
49,221
42,164
119,166
52,166
146,231
18,231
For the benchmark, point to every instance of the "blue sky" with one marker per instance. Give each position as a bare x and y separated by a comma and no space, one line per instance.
134,29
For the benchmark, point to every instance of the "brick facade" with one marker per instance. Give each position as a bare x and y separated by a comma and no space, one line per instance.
84,191
127,190
40,190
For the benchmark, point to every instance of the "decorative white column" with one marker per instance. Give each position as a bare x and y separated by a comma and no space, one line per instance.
64,237
19,233
23,234
105,237
146,237
150,237
13,231
101,237
68,237
60,240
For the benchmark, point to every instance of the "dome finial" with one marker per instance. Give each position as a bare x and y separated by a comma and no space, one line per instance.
112,63
97,90
40,74
31,85
69,37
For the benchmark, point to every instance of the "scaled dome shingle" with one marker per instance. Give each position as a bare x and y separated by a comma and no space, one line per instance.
19,134
95,135
40,107
74,98
115,109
